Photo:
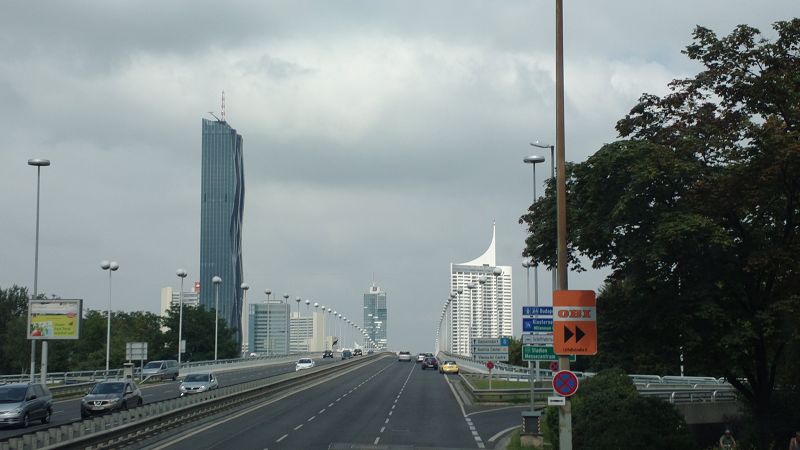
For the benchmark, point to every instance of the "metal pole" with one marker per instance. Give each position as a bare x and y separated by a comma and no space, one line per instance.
554,282
216,320
180,319
527,284
36,270
564,412
108,324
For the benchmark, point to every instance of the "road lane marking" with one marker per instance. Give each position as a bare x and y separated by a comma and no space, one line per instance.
311,418
502,432
282,437
477,437
330,405
386,421
377,439
298,427
321,411
382,428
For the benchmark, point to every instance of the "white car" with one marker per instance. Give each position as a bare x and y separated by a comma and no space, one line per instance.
304,363
404,356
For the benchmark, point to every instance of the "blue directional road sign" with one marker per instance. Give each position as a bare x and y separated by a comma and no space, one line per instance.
537,311
531,325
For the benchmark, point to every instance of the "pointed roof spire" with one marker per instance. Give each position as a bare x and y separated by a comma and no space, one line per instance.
489,256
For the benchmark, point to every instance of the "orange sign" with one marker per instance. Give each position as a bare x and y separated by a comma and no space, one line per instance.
574,323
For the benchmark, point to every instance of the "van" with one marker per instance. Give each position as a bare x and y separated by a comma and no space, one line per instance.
161,369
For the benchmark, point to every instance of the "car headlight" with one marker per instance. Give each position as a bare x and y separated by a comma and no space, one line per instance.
183,388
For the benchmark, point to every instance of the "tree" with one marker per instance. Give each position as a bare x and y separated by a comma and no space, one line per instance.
697,214
198,332
635,422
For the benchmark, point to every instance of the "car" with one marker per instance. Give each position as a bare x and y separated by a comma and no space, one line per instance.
304,363
347,354
327,354
195,383
404,356
421,357
358,352
161,369
109,396
369,352
430,363
448,367
21,403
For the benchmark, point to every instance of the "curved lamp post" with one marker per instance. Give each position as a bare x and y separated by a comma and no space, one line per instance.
217,281
110,267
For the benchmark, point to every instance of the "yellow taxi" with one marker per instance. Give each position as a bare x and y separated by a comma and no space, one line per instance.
448,367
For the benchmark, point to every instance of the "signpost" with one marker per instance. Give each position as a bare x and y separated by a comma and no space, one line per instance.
490,366
136,351
490,349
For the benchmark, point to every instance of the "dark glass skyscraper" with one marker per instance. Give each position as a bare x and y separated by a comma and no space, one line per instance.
221,210
375,318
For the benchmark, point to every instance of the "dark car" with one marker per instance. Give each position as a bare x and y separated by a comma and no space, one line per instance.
327,354
20,403
430,362
358,352
111,396
347,354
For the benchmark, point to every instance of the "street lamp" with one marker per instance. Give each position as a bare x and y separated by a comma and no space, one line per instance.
217,281
552,177
527,265
268,292
38,163
245,318
533,160
497,272
110,267
298,300
308,302
182,274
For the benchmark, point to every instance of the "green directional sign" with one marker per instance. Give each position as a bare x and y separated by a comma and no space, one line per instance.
540,353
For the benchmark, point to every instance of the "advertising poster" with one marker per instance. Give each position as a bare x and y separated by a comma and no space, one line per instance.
54,319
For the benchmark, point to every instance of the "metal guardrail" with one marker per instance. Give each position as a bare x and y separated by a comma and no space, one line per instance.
124,426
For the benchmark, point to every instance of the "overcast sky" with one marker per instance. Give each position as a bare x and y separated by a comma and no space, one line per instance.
379,137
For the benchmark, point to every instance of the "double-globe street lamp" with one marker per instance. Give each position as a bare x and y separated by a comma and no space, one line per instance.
38,163
110,267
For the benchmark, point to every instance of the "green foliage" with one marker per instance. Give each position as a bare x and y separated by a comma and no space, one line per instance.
608,413
198,332
697,214
515,352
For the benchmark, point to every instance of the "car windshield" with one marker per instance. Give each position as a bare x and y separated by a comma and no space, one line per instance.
12,394
450,362
195,377
154,365
108,388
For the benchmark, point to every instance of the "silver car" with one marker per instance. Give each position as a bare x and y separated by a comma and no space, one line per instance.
161,369
20,403
195,383
109,396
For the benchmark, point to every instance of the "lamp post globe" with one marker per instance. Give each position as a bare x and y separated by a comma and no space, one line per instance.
285,297
268,292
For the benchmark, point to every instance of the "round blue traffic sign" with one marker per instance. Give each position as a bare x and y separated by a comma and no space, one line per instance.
565,383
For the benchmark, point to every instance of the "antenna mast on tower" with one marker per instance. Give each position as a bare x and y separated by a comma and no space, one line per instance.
223,106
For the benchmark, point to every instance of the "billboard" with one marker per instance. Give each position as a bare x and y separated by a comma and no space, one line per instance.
54,319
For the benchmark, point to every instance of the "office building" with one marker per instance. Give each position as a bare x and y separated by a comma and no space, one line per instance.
170,297
268,328
221,212
375,316
301,333
482,310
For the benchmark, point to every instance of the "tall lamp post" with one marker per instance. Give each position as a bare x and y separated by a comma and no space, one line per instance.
38,163
298,300
533,160
110,267
245,319
471,287
497,272
182,274
217,281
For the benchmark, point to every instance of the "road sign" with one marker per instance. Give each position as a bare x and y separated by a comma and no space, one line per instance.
533,325
538,353
490,365
565,383
538,339
491,342
574,327
135,351
556,401
537,310
487,358
488,349
554,366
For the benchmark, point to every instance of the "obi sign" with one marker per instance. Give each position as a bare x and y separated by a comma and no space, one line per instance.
574,324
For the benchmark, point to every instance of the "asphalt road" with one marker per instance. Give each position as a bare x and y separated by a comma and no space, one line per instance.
66,411
383,403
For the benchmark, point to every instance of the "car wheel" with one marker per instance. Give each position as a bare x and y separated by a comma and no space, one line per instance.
124,406
174,377
26,420
139,403
47,415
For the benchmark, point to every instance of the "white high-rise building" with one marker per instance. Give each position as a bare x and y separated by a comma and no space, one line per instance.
483,309
171,297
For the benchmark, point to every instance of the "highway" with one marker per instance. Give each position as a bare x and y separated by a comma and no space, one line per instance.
384,403
66,411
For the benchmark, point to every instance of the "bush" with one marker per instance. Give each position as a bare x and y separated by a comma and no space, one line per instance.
608,413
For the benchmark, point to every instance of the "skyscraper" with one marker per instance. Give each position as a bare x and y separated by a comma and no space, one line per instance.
375,317
482,310
269,328
221,211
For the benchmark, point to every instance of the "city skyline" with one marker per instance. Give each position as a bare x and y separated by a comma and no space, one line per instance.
380,137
